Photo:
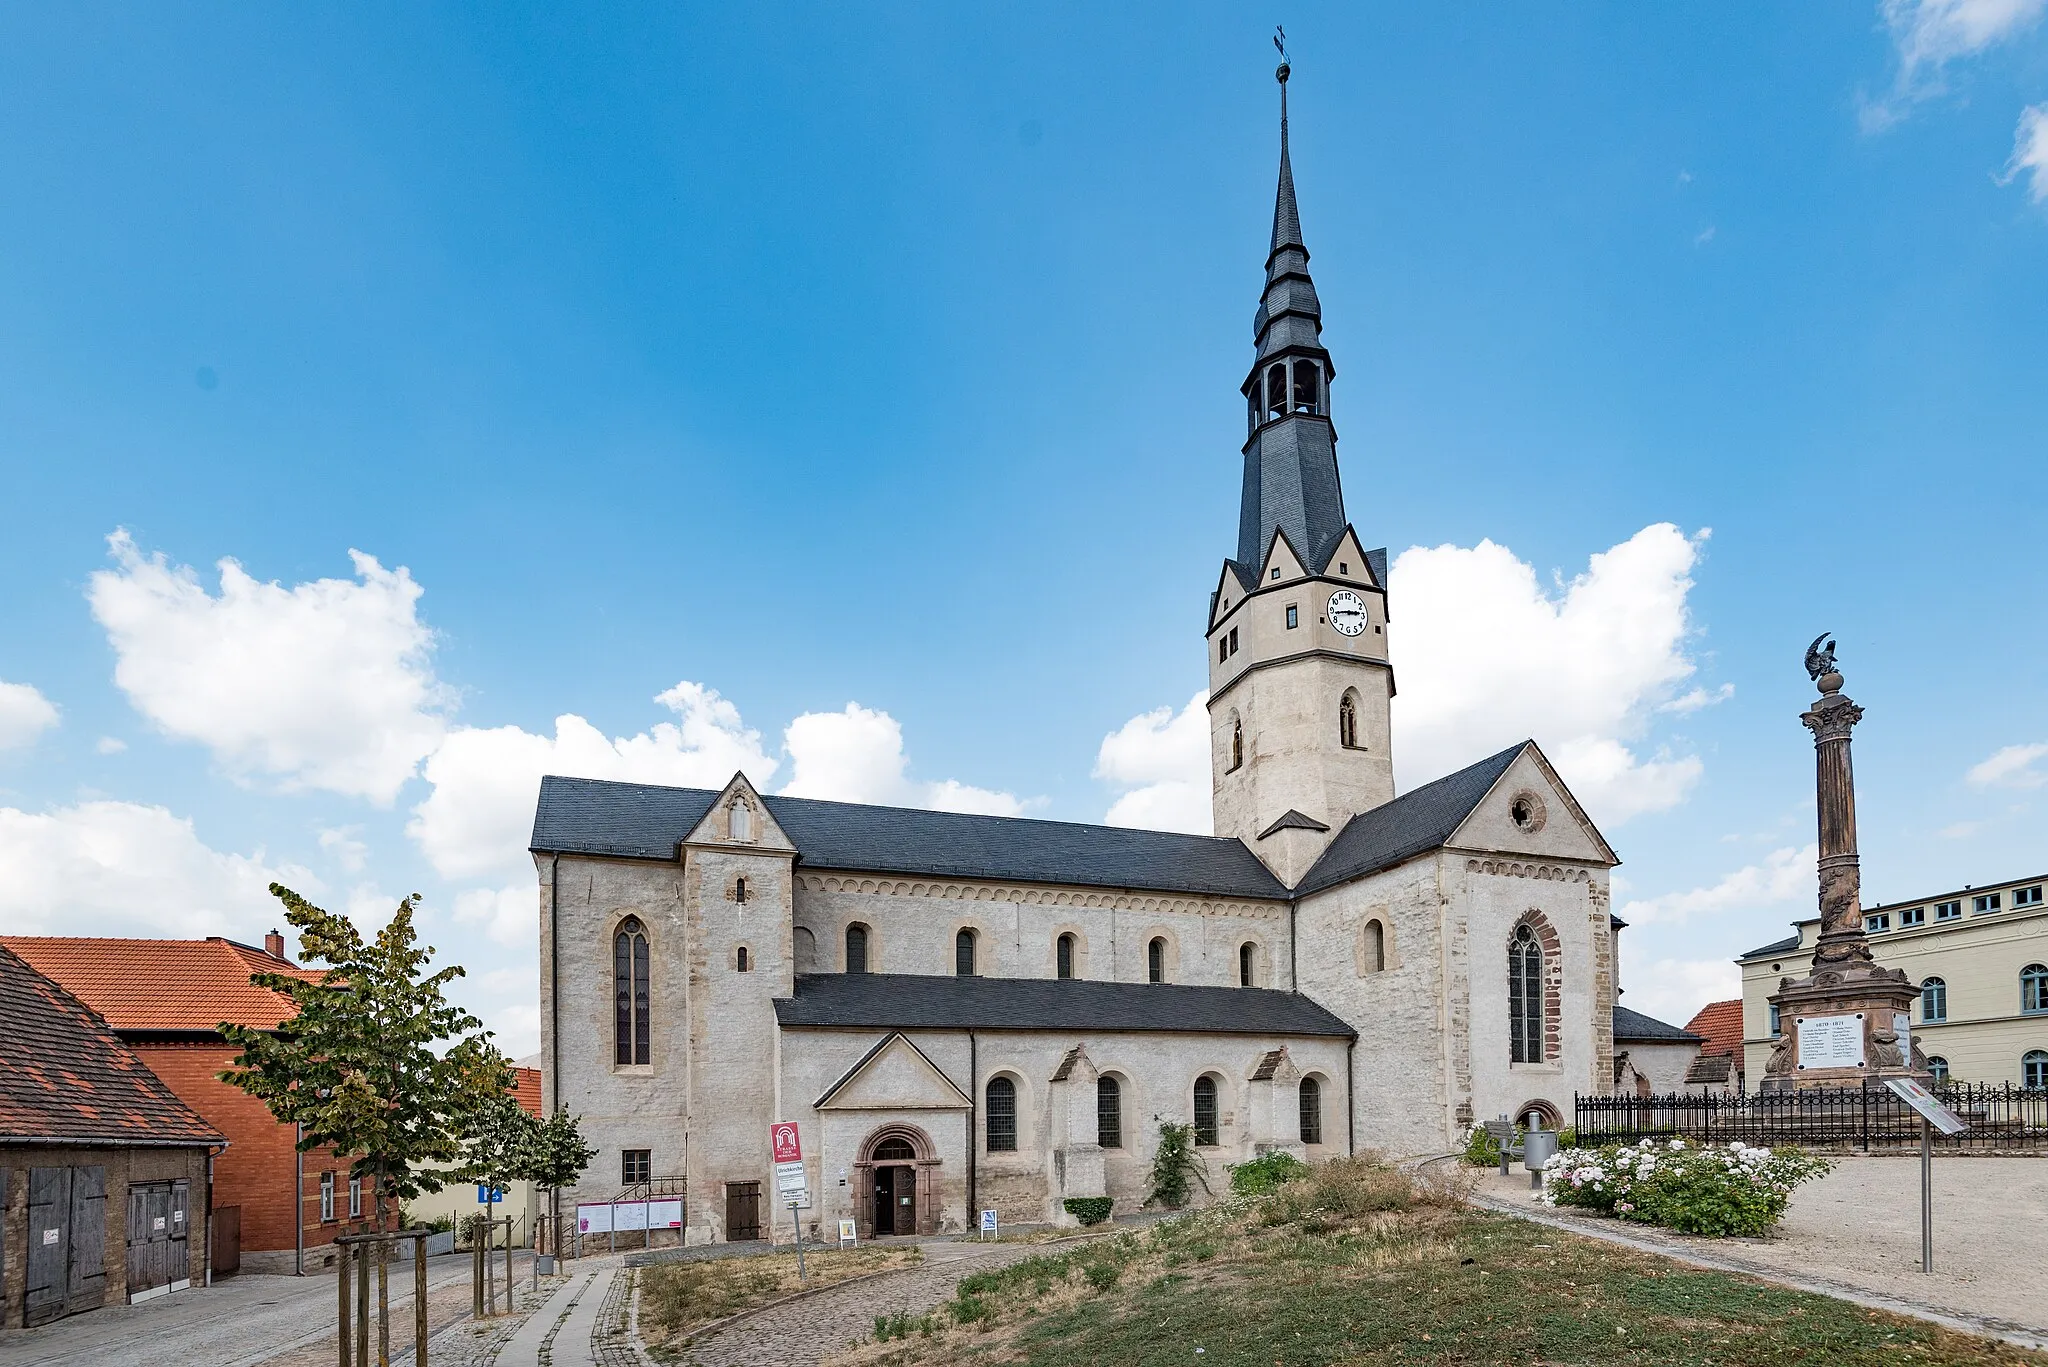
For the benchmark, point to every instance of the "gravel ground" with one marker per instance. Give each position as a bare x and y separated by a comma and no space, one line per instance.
1859,1227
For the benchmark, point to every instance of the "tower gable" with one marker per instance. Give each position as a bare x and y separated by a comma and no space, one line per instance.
895,1075
740,820
1529,810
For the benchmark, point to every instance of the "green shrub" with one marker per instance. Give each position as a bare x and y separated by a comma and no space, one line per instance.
1482,1151
1102,1275
1694,1189
1265,1173
1089,1210
1176,1166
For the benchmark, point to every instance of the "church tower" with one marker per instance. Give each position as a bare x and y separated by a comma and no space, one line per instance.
1299,682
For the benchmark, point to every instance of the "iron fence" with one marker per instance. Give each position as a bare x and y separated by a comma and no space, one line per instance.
2000,1117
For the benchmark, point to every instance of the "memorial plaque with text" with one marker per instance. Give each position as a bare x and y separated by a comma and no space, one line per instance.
1831,1041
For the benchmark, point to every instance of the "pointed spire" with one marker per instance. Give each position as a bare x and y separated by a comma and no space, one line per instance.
1286,217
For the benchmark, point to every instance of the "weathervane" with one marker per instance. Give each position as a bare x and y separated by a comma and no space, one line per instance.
1280,42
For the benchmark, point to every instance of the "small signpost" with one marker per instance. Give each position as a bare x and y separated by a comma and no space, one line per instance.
989,1226
791,1185
849,1234
1933,1116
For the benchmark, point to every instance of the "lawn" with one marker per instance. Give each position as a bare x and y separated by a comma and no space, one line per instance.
678,1299
1357,1265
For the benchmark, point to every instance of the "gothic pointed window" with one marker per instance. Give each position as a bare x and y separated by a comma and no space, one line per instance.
963,953
1205,1111
856,948
1002,1115
1247,962
1308,387
1063,956
1347,720
1525,996
1276,391
1109,1113
1311,1111
1155,960
632,1039
740,821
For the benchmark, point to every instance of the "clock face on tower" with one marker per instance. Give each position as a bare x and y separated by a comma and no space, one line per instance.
1347,613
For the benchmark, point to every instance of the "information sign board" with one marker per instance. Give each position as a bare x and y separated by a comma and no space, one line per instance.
1831,1041
988,1224
849,1235
783,1138
1927,1104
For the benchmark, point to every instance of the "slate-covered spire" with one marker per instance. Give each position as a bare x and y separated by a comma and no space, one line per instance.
1290,457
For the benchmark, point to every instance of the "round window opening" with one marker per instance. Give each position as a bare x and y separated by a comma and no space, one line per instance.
1527,812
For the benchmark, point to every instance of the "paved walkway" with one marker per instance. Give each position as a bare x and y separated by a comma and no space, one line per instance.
1855,1234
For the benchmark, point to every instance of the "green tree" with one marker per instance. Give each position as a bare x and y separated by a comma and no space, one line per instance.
558,1156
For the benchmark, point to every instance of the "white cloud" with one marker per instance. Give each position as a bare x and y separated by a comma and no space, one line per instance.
343,844
476,821
1783,875
1162,759
856,755
24,714
509,915
1695,699
2030,153
1486,656
110,745
327,684
2011,767
1930,34
1961,830
123,868
1704,236
1673,990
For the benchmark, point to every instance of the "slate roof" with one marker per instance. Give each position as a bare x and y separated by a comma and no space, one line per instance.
1413,823
144,985
1720,1025
1636,1028
1711,1068
1784,946
67,1078
642,821
1291,820
915,1001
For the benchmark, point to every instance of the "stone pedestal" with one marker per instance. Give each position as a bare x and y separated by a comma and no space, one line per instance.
1847,1020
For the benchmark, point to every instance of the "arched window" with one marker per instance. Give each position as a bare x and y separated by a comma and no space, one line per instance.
1934,1000
1063,956
1311,1111
739,891
1247,962
1205,1111
631,1035
1236,743
742,960
804,945
2034,1068
2034,987
1375,946
1276,391
1155,960
1525,996
1002,1115
740,820
856,948
894,1148
1307,387
1109,1113
1938,1066
963,953
1347,720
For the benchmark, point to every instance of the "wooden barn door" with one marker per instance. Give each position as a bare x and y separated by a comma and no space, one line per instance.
742,1211
85,1285
180,1269
49,1244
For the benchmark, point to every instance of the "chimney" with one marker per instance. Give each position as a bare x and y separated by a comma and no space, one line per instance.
273,945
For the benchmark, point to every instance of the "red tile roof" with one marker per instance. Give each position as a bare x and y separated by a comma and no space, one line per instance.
526,1086
68,1078
1720,1024
162,984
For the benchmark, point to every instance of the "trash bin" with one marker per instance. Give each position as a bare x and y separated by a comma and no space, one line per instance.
1538,1148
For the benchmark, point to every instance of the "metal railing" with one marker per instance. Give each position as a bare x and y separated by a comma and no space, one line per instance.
2000,1117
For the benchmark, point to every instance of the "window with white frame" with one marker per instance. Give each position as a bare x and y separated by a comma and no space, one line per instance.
326,1196
2027,897
1986,901
1873,924
355,1198
1938,1066
1947,911
1912,916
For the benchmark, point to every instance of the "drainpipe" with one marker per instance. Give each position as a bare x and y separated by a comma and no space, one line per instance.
1350,1099
554,983
973,1101
1293,982
299,1202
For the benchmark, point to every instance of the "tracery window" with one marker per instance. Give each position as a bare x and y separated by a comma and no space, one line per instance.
1933,1000
1063,956
856,948
1109,1113
1311,1111
1205,1111
740,820
1002,1115
631,1034
963,953
1347,721
1155,960
1525,996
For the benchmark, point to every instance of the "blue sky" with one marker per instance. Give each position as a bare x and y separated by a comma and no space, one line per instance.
823,357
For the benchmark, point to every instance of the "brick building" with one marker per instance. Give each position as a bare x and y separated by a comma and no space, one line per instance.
276,1210
103,1171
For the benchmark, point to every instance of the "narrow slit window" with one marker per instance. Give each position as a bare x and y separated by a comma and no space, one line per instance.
1247,963
742,960
963,954
1375,946
856,948
1063,956
1347,721
1155,960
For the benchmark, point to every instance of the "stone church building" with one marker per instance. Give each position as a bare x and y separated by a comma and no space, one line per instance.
969,1012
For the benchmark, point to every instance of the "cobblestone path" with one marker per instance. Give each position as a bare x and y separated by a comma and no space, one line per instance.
808,1331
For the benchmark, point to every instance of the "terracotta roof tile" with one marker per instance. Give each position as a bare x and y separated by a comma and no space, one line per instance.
161,984
1720,1025
68,1077
526,1087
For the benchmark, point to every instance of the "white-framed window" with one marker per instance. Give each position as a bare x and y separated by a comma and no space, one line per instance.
2027,897
326,1197
1912,916
2034,1068
355,1198
1873,924
1986,901
1947,911
1934,1000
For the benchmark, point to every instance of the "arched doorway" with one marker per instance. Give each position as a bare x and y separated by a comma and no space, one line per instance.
896,1182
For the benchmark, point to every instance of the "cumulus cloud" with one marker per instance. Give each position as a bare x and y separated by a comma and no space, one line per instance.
856,755
509,915
327,684
1487,656
1928,35
1784,875
110,745
122,868
1162,759
1673,990
24,714
343,844
2030,153
2015,766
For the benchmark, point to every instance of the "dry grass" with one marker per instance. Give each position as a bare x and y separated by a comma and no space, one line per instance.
678,1299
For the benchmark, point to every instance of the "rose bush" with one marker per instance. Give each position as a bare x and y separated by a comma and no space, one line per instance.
1692,1188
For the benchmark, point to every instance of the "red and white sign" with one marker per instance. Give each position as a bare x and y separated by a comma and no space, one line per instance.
782,1136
